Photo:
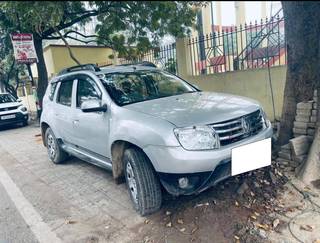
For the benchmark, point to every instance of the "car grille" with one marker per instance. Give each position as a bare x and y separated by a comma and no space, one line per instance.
234,130
8,108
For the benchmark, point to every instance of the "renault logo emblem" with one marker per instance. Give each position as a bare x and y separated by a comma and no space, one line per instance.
245,125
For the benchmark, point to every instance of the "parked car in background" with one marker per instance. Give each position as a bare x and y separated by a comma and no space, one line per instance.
154,129
12,111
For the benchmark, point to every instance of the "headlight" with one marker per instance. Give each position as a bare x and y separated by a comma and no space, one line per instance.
197,138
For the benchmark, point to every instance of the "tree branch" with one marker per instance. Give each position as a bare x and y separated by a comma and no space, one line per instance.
10,70
61,26
83,35
83,41
69,49
66,34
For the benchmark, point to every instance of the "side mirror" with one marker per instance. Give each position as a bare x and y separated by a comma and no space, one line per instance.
93,106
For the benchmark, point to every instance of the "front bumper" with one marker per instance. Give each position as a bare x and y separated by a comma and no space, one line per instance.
203,168
19,117
198,182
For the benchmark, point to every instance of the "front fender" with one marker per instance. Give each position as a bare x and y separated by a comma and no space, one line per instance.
140,129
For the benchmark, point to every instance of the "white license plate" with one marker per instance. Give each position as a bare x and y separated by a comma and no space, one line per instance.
8,117
251,156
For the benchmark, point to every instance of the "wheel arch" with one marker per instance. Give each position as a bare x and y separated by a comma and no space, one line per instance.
117,150
44,127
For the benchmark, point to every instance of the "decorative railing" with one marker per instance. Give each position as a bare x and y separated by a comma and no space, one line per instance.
163,56
239,48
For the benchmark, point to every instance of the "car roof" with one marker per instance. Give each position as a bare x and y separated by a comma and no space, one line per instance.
105,70
125,68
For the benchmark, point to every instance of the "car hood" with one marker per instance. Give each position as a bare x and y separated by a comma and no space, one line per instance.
11,104
197,108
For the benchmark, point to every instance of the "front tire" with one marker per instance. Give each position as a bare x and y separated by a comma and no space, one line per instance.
55,152
143,185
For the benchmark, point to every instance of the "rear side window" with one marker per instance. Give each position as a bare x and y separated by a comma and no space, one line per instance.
52,90
65,93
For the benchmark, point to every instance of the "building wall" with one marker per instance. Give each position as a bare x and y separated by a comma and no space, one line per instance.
57,57
253,83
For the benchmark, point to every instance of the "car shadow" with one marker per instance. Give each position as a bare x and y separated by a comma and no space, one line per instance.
10,127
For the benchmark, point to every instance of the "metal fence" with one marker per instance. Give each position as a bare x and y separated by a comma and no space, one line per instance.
240,48
164,57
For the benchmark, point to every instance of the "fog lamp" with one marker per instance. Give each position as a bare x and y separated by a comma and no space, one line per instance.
183,182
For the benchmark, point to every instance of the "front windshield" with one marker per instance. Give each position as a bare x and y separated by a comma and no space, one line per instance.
131,87
6,98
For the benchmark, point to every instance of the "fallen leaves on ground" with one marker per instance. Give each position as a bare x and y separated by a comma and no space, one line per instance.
263,226
275,223
307,227
69,221
183,229
201,205
169,225
180,221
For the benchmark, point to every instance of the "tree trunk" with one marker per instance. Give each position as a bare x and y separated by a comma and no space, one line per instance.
301,31
8,87
42,69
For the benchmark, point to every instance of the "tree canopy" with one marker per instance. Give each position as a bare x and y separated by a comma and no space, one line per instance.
122,25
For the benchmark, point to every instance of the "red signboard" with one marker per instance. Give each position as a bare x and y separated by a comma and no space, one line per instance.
23,47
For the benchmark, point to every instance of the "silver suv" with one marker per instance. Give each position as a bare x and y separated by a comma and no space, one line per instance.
153,129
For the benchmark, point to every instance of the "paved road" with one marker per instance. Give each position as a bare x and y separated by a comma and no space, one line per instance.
13,227
75,202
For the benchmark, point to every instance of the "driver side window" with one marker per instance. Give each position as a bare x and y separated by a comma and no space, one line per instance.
87,90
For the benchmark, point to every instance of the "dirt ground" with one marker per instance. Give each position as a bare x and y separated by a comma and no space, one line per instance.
221,214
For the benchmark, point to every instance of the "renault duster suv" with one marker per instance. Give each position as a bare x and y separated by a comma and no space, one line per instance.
153,129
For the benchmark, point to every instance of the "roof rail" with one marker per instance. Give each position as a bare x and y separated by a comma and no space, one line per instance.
88,67
143,63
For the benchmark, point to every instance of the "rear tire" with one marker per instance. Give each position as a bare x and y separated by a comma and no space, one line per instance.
55,152
143,185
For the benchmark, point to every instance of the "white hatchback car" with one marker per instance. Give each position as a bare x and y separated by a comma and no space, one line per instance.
12,111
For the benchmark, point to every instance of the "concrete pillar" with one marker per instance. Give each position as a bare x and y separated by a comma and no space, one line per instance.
218,14
240,20
263,11
183,57
206,19
240,12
